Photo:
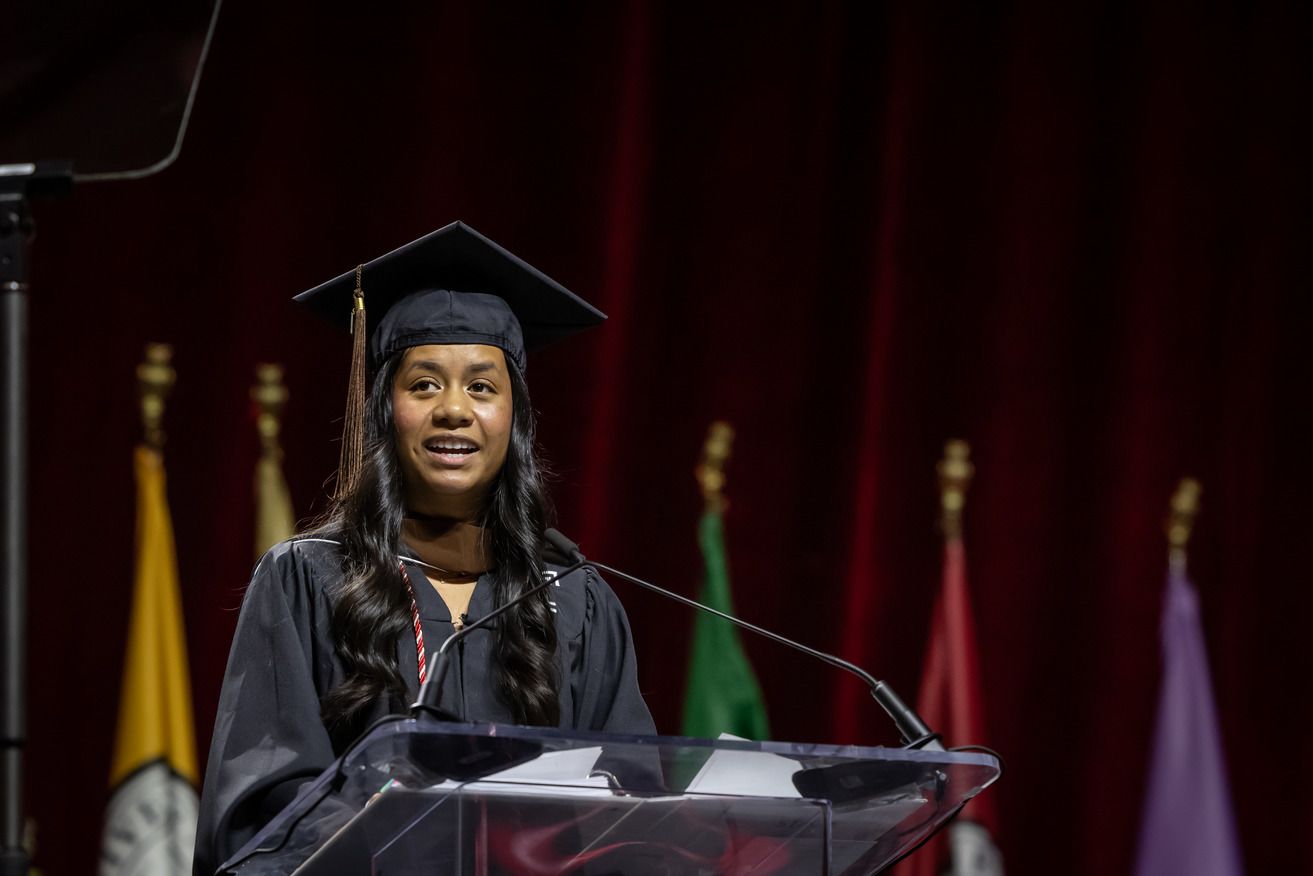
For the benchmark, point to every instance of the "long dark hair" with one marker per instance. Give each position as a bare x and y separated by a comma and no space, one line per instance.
372,608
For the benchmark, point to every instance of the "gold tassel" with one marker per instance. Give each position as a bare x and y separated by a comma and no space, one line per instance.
353,428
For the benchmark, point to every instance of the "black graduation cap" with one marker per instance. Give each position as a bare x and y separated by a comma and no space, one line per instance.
452,286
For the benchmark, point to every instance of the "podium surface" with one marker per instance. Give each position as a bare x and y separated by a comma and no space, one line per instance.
417,796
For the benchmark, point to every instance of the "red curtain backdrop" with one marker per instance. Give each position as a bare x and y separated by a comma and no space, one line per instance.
1076,238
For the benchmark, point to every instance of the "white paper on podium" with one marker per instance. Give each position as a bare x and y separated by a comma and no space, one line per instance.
745,773
566,771
756,774
554,768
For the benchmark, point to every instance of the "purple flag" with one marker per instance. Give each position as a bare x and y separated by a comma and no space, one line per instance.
1187,827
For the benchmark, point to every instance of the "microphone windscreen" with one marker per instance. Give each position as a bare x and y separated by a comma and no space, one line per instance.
560,543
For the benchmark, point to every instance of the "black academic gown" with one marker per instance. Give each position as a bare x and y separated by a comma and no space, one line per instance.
268,736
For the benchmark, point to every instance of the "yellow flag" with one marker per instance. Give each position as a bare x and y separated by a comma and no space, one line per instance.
274,520
150,825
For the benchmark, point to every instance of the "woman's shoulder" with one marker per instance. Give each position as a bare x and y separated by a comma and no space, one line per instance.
308,548
300,567
309,552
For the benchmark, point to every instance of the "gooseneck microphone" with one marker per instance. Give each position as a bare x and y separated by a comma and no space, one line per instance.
430,692
913,730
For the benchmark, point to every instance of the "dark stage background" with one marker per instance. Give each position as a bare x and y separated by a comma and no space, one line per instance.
1078,239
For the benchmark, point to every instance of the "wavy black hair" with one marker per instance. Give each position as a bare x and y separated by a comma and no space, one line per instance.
372,608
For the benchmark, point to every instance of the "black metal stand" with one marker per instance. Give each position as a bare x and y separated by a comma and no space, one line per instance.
18,183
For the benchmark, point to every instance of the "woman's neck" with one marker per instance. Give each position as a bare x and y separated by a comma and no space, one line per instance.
455,546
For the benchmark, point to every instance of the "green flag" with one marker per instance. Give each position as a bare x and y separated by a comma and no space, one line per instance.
723,695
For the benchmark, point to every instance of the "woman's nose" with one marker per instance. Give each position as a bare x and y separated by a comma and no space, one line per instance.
452,409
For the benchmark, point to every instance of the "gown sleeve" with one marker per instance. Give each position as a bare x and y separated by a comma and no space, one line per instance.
611,700
268,736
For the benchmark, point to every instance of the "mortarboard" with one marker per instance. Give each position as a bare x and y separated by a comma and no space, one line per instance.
452,286
500,296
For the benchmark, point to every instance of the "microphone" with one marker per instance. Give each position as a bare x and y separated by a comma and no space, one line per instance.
430,693
914,732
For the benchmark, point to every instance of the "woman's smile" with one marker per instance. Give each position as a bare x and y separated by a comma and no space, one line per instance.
451,450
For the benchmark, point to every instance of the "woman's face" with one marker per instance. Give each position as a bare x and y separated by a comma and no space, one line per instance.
451,405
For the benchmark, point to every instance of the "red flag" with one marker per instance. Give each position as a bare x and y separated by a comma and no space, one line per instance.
951,703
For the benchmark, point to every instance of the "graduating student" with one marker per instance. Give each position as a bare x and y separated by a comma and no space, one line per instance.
438,518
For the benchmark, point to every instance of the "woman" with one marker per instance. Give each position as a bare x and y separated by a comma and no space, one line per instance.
438,518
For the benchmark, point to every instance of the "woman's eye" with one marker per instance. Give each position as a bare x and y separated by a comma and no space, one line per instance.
480,386
425,385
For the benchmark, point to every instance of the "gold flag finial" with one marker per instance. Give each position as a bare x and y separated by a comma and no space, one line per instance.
155,379
711,470
270,397
1181,512
955,471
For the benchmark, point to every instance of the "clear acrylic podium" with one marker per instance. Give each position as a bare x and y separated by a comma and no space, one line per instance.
418,796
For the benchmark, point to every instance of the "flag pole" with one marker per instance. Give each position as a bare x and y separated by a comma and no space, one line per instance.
1181,514
952,694
153,769
1187,824
721,693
